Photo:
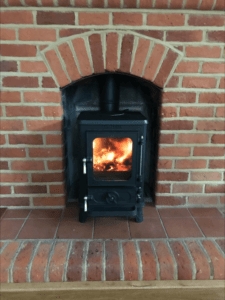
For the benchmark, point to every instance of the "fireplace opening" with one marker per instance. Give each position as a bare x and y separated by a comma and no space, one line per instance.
111,132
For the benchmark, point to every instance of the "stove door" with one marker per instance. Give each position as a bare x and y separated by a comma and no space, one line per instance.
112,158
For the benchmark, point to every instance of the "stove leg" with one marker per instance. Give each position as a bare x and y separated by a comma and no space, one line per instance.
82,216
139,216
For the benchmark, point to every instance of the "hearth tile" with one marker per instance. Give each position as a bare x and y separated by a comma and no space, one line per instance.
73,229
111,228
205,212
212,227
71,212
16,214
150,212
10,228
45,214
174,213
39,229
181,228
148,229
2,211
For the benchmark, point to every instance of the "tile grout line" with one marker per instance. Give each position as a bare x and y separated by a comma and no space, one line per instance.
197,224
51,252
4,246
30,264
103,261
208,258
120,251
69,250
23,225
10,274
162,223
84,263
156,260
59,222
140,266
174,260
194,270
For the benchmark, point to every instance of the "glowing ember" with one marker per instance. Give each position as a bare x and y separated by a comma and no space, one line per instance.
112,154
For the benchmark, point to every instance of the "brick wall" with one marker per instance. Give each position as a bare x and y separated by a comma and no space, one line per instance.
46,47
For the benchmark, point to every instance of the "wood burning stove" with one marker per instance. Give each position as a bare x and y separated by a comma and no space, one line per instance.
111,158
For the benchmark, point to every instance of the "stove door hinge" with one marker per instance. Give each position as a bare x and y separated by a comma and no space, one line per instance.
86,199
85,161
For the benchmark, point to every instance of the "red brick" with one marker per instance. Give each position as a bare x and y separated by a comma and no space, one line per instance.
222,200
202,200
112,269
126,53
21,263
148,261
222,83
187,188
37,34
13,152
71,31
53,139
47,17
205,176
47,152
165,19
27,165
196,112
31,189
24,111
47,177
199,82
166,138
183,261
129,4
210,125
6,258
166,265
184,36
87,18
48,82
39,125
32,67
96,53
65,3
220,112
220,5
216,36
217,259
164,164
168,112
190,164
2,139
31,2
206,5
42,97
11,125
166,68
16,17
173,97
153,63
47,3
4,165
177,125
94,261
98,3
206,20
14,177
187,67
185,138
68,58
220,188
216,164
39,264
20,82
218,139
81,52
172,176
11,97
130,261
173,82
157,34
203,51
208,151
132,19
49,201
5,190
111,51
210,67
176,4
114,3
74,269
81,3
18,50
15,201
212,98
160,4
175,151
170,200
53,111
140,57
55,165
146,3
57,189
14,3
58,260
163,188
29,139
56,67
191,4
8,66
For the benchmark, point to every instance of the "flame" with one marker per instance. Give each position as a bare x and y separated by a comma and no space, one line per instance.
112,154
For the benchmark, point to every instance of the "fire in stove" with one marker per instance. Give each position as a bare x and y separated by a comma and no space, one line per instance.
112,154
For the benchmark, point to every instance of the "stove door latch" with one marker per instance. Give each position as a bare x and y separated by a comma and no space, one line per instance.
139,194
85,161
86,198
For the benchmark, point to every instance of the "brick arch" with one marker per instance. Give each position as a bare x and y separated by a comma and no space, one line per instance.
109,51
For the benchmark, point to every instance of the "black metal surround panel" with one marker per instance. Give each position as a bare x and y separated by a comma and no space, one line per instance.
113,197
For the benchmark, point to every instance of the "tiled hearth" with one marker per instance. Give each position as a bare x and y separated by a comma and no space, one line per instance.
51,245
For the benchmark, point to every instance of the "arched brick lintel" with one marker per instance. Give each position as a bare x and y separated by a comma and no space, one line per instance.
124,51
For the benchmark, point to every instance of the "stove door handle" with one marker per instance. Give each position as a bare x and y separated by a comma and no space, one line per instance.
84,166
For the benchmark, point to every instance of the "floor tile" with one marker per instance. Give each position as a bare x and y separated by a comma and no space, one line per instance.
9,228
174,213
39,229
205,212
181,228
71,212
212,227
45,214
16,213
2,211
111,228
149,228
73,229
150,212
